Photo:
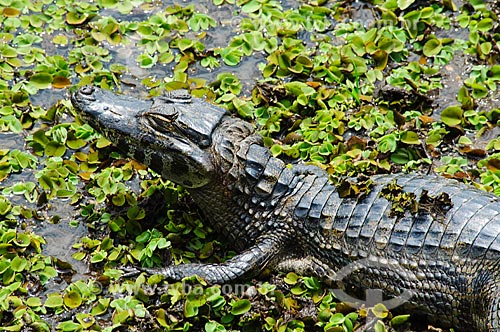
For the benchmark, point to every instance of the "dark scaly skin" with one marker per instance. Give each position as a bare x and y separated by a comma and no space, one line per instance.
292,219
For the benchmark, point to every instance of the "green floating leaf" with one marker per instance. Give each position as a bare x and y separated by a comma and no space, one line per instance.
381,58
121,316
486,48
479,90
34,302
432,47
146,61
18,264
398,320
74,18
60,39
410,137
276,150
12,123
14,62
311,283
213,326
161,317
388,143
72,299
68,326
41,80
299,88
240,307
380,327
5,205
184,43
403,4
85,320
8,52
324,315
291,278
401,156
464,140
108,3
22,240
358,45
485,24
380,311
98,257
251,6
337,318
55,149
190,310
79,255
452,116
231,56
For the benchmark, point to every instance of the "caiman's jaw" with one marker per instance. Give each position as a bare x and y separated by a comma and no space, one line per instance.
170,136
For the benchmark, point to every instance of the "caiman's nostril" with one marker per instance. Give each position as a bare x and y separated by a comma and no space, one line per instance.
87,90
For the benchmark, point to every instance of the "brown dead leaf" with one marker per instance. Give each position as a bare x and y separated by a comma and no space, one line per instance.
473,152
493,164
426,119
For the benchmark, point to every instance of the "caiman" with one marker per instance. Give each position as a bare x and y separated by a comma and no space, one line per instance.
440,260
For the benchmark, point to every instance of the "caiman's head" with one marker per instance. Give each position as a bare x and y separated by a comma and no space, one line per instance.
169,134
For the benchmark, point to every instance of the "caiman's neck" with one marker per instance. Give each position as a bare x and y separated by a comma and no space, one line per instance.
230,142
228,197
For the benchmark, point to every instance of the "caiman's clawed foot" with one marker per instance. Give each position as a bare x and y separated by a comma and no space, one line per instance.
249,263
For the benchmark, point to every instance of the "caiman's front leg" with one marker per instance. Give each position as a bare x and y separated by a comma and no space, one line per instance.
247,264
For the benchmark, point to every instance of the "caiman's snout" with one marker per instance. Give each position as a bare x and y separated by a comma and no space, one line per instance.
107,106
103,109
